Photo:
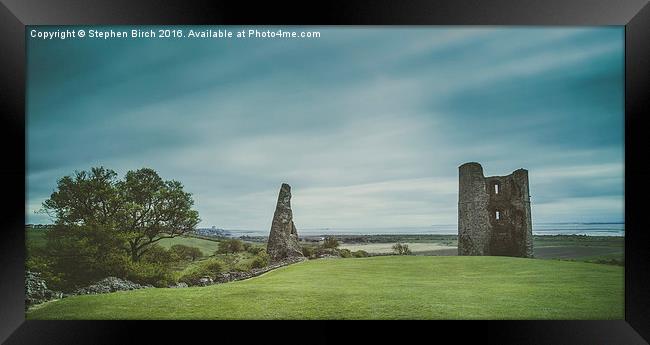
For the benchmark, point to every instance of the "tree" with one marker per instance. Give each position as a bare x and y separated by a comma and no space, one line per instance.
153,209
89,198
142,208
401,249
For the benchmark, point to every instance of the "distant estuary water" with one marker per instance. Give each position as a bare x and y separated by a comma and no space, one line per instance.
589,229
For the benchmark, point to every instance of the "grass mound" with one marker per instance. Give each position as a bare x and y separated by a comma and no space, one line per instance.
392,287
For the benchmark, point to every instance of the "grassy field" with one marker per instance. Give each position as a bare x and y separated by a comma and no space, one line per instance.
36,239
580,248
583,248
384,248
208,247
389,287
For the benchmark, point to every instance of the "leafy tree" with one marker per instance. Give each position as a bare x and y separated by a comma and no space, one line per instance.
401,249
87,198
140,210
153,209
330,242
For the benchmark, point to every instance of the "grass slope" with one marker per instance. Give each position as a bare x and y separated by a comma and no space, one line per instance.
208,247
407,287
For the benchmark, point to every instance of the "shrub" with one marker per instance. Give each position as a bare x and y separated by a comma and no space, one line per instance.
612,261
255,250
360,254
158,254
156,274
260,260
308,251
345,253
184,252
76,256
209,268
245,265
330,242
401,249
41,264
242,266
326,251
230,246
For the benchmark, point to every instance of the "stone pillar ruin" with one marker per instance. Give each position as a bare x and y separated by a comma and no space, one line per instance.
494,215
283,239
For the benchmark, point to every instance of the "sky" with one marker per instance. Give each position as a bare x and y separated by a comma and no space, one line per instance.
367,124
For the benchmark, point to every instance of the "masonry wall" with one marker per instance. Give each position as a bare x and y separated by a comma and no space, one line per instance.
494,215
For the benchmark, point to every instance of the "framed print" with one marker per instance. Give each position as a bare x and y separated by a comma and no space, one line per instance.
474,164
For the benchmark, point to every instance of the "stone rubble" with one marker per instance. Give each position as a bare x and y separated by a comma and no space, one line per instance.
36,290
109,284
234,276
178,285
205,281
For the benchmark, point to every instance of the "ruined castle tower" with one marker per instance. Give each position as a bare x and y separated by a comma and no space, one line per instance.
283,239
494,213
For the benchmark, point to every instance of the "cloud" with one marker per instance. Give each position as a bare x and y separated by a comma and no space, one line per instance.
368,125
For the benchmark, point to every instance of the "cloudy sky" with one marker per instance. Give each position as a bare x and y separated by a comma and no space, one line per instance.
368,125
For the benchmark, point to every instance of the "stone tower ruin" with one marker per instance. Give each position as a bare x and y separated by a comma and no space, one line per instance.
494,213
283,239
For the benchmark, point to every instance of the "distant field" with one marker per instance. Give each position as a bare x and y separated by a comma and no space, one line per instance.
388,287
383,248
36,239
583,248
208,247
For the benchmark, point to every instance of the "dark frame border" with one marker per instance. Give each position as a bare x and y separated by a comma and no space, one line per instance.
634,14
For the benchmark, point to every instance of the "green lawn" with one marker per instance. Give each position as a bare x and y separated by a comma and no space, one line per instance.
408,287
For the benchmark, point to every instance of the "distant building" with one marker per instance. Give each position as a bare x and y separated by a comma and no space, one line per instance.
212,232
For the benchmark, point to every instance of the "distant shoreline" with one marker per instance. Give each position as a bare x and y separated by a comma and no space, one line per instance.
591,229
391,238
616,229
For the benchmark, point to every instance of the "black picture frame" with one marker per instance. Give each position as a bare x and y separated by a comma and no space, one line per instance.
633,14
